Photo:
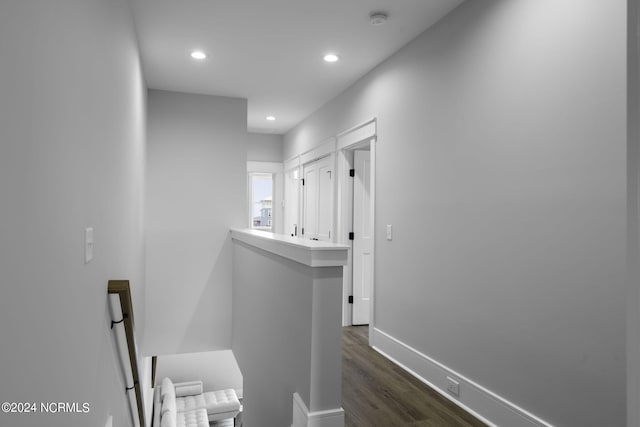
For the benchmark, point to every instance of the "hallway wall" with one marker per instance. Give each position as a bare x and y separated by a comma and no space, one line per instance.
633,216
501,166
196,192
72,130
264,147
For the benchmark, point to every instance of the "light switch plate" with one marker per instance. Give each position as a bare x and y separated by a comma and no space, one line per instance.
88,245
389,232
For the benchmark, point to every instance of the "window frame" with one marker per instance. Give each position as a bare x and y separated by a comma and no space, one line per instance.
250,179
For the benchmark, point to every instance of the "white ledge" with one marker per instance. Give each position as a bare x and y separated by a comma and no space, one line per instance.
308,252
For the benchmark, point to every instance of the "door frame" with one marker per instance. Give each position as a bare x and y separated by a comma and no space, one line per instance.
352,139
340,147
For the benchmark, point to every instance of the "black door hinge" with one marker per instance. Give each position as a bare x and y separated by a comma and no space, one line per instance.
302,181
352,172
303,231
351,235
350,299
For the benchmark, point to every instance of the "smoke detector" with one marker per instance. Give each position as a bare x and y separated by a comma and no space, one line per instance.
378,18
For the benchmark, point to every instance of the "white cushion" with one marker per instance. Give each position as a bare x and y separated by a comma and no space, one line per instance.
168,419
196,418
212,401
169,404
188,388
167,388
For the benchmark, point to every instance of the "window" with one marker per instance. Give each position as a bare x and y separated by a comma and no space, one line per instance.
261,200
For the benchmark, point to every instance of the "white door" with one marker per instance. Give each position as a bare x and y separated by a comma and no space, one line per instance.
310,200
325,198
291,205
317,204
362,242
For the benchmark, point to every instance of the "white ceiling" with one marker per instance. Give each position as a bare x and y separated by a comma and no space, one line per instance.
270,51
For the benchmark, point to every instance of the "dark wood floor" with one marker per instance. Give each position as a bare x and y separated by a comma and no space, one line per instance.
376,392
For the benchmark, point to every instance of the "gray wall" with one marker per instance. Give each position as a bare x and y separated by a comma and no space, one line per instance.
216,369
264,147
501,165
196,178
633,224
72,114
281,340
271,333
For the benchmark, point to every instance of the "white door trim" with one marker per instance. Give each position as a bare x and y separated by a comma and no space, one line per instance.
324,149
344,210
356,137
264,167
373,149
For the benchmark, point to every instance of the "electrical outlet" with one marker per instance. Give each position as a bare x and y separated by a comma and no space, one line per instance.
453,386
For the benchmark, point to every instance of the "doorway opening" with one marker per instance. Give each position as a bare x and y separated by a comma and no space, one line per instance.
355,169
358,215
329,196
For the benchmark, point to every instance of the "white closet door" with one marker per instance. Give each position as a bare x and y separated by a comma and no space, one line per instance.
325,199
362,243
310,203
318,199
291,205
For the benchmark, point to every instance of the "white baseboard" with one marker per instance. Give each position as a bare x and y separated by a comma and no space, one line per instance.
474,398
303,418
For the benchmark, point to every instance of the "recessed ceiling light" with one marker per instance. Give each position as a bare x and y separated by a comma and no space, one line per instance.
331,57
270,118
198,54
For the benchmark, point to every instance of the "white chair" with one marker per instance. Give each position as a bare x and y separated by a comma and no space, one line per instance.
188,405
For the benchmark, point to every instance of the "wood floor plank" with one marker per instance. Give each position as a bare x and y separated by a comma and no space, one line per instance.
378,393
